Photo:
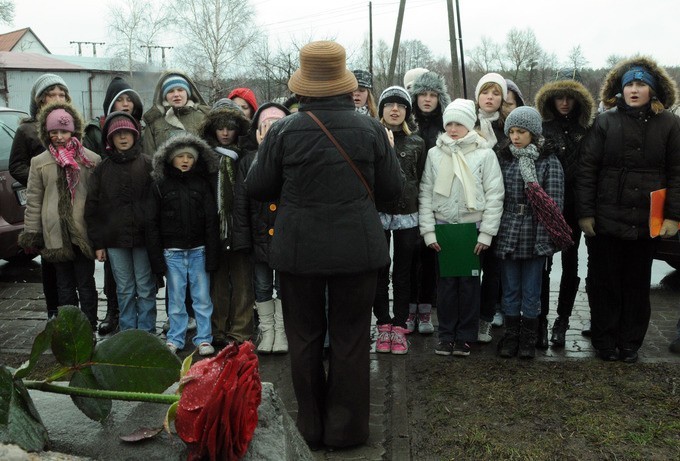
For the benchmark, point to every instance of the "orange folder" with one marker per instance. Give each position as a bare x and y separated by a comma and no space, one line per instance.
656,199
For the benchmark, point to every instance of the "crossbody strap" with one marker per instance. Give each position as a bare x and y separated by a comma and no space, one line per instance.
342,151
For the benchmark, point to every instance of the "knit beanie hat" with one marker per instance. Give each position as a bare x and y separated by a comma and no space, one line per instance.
492,77
41,84
461,111
225,103
118,123
395,94
175,81
183,150
641,74
59,119
246,94
524,117
270,113
364,78
411,75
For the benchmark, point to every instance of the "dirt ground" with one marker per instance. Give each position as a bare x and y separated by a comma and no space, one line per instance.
481,408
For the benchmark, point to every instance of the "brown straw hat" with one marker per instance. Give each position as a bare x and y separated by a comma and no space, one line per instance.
323,71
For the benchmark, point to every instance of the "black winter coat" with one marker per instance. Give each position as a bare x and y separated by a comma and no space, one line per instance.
326,222
411,154
253,220
625,156
115,210
181,207
25,146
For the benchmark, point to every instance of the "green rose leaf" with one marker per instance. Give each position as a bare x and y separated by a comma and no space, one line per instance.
19,421
72,342
40,344
95,409
135,360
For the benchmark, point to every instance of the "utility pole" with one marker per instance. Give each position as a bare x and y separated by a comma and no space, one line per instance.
370,37
462,55
395,45
148,52
94,47
453,45
162,48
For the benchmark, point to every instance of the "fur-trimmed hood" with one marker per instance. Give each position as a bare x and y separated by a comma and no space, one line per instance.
666,91
220,118
162,166
430,81
78,123
585,103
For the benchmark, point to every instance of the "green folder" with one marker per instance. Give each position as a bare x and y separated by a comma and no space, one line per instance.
457,257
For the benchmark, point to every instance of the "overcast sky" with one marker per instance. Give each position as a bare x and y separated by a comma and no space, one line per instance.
601,27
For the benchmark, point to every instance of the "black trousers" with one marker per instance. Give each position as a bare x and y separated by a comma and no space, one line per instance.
75,282
620,272
405,246
333,409
48,273
490,294
424,275
569,282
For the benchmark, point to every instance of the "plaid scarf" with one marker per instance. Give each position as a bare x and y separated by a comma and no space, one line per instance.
67,158
547,211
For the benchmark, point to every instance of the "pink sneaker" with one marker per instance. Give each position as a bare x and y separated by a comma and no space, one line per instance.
411,323
384,342
399,342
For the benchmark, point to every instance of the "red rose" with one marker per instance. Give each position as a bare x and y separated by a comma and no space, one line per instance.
217,412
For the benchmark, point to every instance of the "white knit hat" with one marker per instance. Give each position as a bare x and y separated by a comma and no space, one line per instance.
411,75
493,78
461,111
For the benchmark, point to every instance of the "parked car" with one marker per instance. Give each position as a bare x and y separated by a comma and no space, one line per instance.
669,250
12,193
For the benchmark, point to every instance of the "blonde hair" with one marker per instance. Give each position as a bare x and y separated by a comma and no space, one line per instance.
656,105
370,103
404,126
504,110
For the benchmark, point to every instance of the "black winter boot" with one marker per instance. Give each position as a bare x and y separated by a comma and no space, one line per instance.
559,331
509,343
527,338
110,322
541,333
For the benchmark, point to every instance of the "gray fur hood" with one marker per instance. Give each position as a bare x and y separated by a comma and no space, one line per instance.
667,91
571,88
206,163
430,81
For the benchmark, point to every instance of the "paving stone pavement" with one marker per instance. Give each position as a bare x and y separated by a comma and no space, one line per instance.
23,316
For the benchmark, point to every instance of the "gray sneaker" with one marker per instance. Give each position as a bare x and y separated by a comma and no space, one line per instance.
498,319
484,334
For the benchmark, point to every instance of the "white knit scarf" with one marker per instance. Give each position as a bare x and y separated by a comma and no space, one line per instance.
454,165
485,128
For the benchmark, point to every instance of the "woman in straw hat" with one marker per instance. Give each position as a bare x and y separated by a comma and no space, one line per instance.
327,238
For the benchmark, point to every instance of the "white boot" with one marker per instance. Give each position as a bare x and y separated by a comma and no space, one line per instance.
280,340
265,311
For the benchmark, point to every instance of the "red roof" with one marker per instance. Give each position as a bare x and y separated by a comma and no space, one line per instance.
32,61
10,39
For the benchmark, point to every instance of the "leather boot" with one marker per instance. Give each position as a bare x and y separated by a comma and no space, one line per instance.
509,343
280,341
265,310
559,331
541,333
110,322
527,338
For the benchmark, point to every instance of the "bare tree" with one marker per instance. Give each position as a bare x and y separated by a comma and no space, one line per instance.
275,68
576,58
136,26
6,12
484,57
216,33
522,51
614,59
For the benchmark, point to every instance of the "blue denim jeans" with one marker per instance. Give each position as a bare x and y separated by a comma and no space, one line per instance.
266,280
135,288
521,280
188,265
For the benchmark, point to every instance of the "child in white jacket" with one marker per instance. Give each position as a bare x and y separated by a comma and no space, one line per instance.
462,183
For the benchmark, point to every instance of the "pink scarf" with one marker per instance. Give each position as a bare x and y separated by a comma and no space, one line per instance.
67,157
